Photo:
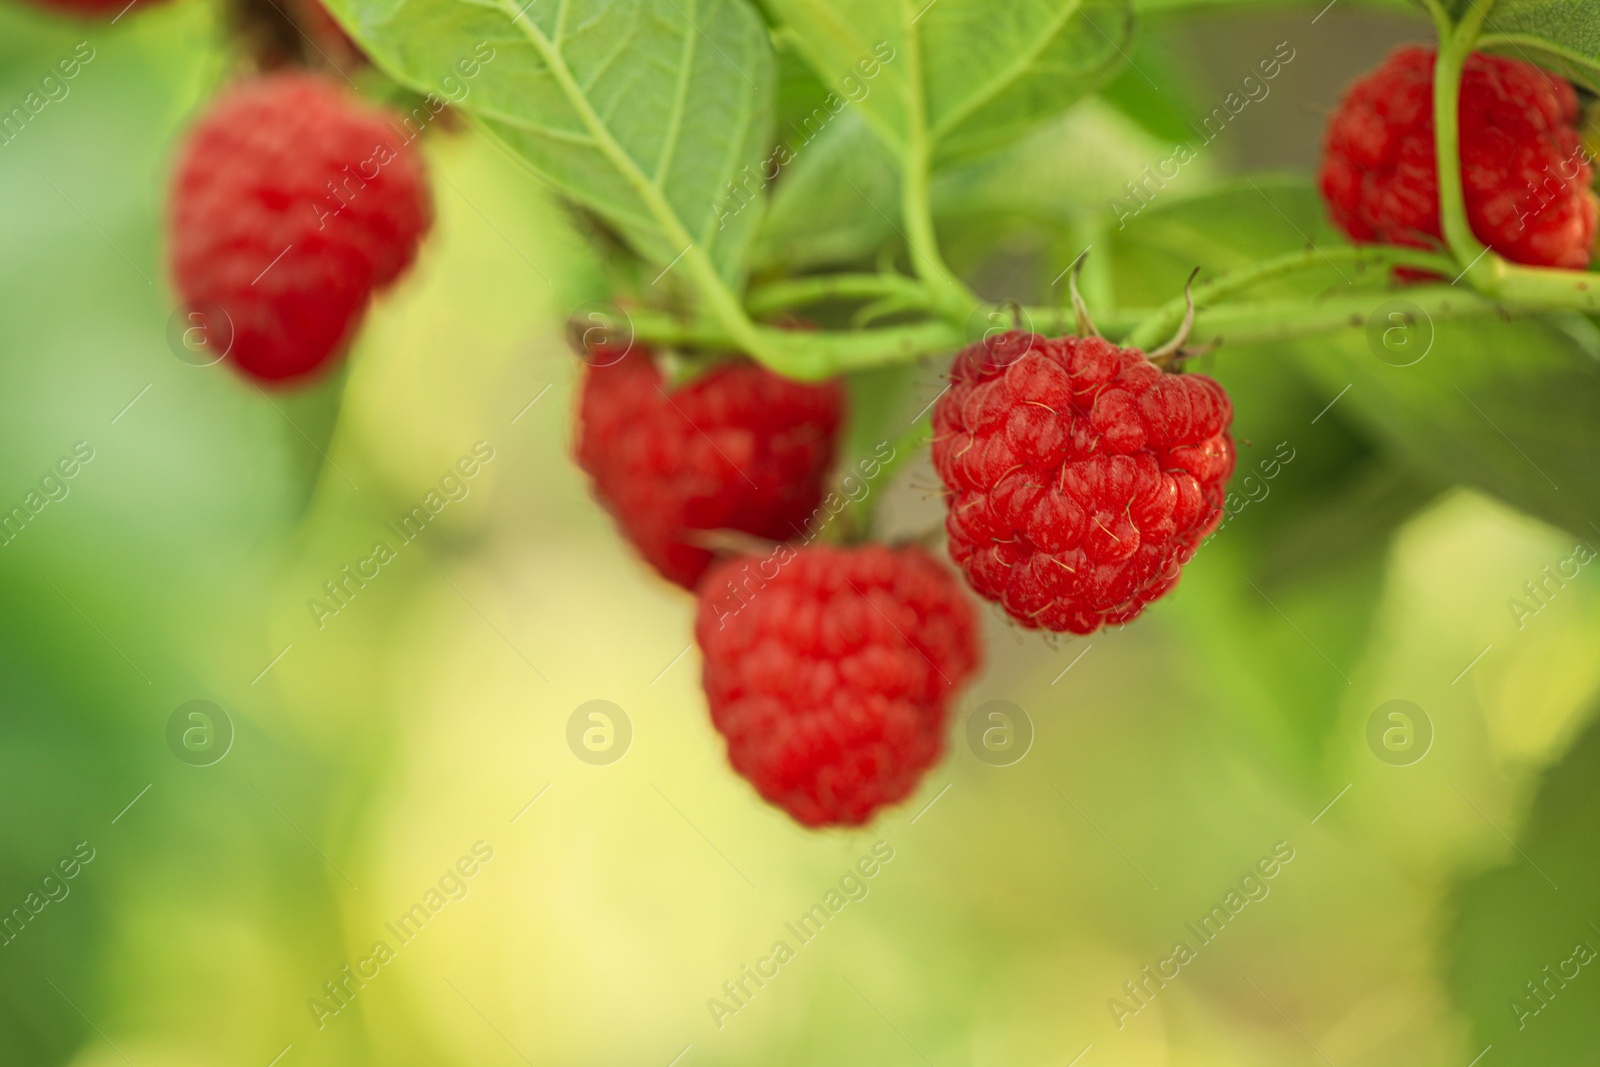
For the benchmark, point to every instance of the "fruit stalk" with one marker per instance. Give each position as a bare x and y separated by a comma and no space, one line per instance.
1455,45
953,299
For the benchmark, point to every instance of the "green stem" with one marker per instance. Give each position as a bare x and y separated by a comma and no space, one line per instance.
1111,322
1540,287
661,328
1442,25
1455,45
1293,320
867,314
954,300
823,354
1166,320
767,300
1261,321
810,354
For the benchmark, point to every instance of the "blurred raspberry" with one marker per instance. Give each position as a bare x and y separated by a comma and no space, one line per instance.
1525,174
830,672
292,203
738,448
1081,476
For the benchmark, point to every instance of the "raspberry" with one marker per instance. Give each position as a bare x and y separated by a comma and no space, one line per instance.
738,448
292,203
1081,477
1524,172
830,672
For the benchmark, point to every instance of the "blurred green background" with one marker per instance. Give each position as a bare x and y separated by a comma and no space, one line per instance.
423,727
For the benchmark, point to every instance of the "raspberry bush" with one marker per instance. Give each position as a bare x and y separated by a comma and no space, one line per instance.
671,533
1080,467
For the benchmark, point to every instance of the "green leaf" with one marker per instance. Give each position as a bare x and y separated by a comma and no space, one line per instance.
1048,177
838,200
1530,921
1185,223
643,111
1345,522
1165,114
972,75
799,90
1559,34
1522,428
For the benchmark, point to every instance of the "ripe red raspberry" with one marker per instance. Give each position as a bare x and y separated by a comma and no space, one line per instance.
1081,476
1525,174
830,672
738,448
292,203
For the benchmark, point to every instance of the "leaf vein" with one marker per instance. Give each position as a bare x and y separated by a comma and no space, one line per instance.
680,96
